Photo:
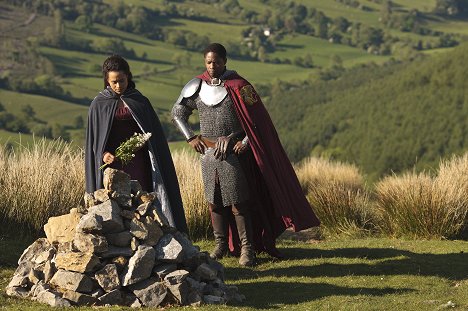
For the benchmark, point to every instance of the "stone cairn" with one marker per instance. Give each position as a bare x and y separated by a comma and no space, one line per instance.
118,250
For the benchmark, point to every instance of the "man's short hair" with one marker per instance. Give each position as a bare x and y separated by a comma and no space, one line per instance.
216,48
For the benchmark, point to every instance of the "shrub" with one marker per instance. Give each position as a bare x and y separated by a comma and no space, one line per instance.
419,205
338,196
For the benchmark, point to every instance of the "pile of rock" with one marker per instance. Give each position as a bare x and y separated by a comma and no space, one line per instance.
118,250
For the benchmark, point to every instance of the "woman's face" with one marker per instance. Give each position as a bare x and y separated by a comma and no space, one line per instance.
118,81
214,64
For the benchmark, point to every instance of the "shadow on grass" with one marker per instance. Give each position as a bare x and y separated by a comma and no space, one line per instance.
265,295
452,266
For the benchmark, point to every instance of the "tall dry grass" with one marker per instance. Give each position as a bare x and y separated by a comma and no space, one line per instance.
424,206
191,189
338,196
47,179
39,181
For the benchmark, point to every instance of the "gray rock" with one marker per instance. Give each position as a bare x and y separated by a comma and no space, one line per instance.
120,262
134,243
35,276
136,304
51,298
213,300
121,239
190,250
176,277
135,186
19,280
114,251
39,246
127,214
118,184
155,232
79,299
169,249
109,212
138,229
150,292
90,243
76,261
144,208
45,256
73,281
89,200
49,271
180,291
139,266
117,181
112,298
90,223
124,201
196,285
164,269
205,273
101,195
108,278
158,215
96,293
17,291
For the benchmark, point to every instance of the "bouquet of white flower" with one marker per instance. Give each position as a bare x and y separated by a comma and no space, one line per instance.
126,151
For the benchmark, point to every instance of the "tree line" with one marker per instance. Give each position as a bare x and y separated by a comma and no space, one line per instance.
394,117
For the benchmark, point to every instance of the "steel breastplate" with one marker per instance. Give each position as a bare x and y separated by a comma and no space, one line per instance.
211,95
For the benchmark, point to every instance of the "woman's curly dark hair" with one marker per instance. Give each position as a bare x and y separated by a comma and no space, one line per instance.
117,63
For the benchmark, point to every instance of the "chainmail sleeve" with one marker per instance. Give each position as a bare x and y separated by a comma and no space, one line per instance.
180,115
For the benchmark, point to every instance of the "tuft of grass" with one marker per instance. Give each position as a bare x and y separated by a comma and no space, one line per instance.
38,181
197,211
423,206
338,196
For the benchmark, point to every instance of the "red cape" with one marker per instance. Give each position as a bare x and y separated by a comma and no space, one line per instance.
282,203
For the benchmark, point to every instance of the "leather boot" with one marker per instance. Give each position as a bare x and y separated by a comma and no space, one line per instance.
219,222
244,228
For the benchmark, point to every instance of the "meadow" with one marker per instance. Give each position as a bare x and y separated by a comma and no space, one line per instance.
365,256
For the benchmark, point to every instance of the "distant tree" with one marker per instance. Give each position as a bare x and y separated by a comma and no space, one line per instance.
2,108
59,131
84,23
28,112
78,122
386,11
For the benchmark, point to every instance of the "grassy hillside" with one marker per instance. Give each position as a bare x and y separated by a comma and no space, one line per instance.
70,54
391,118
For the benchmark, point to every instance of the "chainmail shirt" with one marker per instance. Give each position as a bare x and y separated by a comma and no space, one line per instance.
215,121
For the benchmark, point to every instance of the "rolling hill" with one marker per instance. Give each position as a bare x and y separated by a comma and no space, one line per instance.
272,42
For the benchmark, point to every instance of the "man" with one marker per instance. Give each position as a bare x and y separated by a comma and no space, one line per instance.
245,170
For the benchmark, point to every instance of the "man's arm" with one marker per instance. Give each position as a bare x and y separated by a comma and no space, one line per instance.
180,114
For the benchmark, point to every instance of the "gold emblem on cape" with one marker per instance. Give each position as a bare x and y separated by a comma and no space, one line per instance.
248,94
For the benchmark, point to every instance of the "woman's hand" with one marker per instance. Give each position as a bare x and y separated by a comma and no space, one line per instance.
108,157
197,144
240,147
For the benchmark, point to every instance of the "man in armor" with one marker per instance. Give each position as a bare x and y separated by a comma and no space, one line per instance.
235,127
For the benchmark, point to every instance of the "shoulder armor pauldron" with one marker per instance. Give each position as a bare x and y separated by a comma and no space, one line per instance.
189,89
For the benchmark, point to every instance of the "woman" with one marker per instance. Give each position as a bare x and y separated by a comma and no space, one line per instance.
115,114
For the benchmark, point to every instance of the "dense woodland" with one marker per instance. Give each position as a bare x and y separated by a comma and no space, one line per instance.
384,119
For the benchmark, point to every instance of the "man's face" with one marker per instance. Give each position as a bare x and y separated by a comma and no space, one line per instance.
214,64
